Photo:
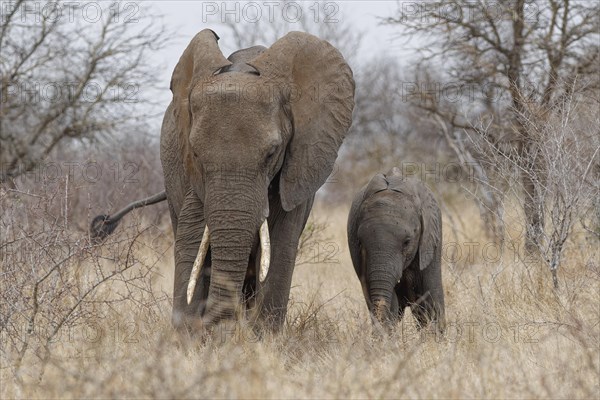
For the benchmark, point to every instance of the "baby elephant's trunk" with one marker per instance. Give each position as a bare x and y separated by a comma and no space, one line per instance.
382,316
381,310
385,271
381,302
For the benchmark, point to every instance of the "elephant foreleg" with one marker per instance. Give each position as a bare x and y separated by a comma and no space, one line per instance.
190,226
285,229
395,307
401,291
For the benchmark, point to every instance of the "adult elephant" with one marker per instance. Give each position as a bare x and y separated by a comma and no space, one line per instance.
245,144
395,241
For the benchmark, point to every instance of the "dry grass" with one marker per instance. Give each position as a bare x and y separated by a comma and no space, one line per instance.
510,335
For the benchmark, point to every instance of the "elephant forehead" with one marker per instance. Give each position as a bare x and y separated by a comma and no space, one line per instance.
222,121
388,201
389,209
238,92
382,232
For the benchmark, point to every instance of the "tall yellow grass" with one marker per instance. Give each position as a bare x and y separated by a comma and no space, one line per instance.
509,335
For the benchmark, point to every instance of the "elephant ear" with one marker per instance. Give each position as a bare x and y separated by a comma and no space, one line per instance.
200,60
392,180
377,183
397,182
321,99
431,226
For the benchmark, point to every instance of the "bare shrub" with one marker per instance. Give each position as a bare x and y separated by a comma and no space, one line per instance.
491,62
566,148
316,244
55,283
69,78
100,178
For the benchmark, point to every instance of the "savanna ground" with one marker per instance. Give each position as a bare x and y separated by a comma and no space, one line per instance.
97,324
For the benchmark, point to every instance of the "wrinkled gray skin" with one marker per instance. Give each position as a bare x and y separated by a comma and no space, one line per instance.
246,138
395,239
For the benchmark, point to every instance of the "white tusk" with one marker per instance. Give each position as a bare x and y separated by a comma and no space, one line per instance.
198,264
265,251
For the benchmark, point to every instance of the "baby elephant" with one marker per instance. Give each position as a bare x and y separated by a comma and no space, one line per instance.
395,240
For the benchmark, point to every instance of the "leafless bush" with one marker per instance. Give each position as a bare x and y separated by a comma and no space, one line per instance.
101,178
565,146
316,245
383,134
71,73
56,285
377,139
492,62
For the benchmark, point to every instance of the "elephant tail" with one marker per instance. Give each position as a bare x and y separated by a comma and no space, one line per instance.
103,225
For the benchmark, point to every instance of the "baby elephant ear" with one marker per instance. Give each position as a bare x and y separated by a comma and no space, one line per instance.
320,88
377,183
431,227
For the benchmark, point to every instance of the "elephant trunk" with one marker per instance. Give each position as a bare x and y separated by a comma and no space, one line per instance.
381,279
230,250
381,290
233,220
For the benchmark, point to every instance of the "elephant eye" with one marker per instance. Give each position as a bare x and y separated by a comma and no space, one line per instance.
406,242
271,153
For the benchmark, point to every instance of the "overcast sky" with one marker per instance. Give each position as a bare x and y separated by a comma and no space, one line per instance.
189,17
